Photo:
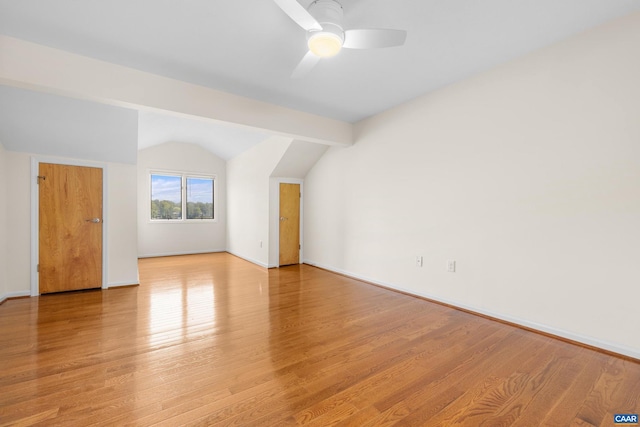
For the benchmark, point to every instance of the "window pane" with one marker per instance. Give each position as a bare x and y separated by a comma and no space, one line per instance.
166,197
199,198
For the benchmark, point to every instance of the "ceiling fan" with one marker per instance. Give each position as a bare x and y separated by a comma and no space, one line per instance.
325,35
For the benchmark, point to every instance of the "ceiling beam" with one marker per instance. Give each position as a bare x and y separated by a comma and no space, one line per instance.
36,67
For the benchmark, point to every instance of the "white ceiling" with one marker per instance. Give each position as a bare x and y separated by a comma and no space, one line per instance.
251,47
225,142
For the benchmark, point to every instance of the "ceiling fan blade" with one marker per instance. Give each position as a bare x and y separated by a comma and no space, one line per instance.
372,38
299,14
306,64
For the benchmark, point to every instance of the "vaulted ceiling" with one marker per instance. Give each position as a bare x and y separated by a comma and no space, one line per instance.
250,47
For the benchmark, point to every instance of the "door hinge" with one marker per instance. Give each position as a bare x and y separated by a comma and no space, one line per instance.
299,246
38,268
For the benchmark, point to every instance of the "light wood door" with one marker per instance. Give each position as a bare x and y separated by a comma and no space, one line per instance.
289,224
70,227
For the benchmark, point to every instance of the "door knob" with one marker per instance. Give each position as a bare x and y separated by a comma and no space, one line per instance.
94,220
282,218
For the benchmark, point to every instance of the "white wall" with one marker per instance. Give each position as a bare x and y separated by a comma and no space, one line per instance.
248,199
294,165
48,124
122,227
528,176
160,238
120,224
18,234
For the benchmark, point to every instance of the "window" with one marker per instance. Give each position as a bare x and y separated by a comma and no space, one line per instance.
174,194
166,197
199,198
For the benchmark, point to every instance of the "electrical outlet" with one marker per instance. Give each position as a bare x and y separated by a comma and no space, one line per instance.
451,266
418,261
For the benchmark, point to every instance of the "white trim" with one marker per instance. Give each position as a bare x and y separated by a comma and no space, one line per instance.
17,294
253,261
35,229
594,342
276,198
105,224
35,204
163,254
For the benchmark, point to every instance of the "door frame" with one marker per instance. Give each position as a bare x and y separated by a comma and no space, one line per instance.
35,218
274,249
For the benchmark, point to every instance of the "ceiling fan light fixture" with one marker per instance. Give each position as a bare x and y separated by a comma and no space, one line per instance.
325,44
326,36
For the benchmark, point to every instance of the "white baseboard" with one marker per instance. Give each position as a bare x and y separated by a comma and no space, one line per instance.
251,260
590,341
18,294
118,284
161,254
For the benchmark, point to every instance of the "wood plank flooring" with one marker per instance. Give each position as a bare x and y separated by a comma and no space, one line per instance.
214,340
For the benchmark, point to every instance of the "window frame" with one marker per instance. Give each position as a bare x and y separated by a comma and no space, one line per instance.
183,194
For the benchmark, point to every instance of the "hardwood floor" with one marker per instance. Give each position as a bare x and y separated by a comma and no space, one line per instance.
213,340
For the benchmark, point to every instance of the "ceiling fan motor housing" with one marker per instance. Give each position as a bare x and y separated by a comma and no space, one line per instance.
329,14
326,37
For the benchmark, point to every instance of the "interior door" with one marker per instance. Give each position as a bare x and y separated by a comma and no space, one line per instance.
289,224
70,227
